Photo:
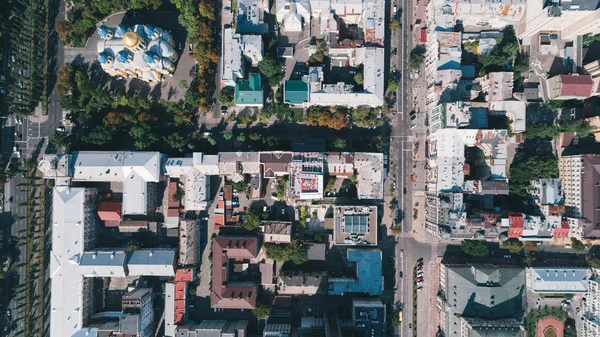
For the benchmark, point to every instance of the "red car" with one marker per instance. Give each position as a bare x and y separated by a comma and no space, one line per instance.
412,179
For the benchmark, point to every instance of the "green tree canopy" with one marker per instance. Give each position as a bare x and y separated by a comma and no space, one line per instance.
474,248
576,244
226,95
417,56
535,166
514,245
295,252
271,69
251,221
339,143
262,310
358,78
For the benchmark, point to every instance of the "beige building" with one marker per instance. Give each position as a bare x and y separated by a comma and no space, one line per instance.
581,185
593,68
567,19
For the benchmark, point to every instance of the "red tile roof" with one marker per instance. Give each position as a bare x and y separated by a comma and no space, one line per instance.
173,212
184,275
516,226
172,191
224,295
109,211
578,86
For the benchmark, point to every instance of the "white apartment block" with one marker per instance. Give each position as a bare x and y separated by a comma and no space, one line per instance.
73,231
569,19
590,320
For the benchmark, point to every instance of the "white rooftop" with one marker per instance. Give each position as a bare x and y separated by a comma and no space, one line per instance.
68,239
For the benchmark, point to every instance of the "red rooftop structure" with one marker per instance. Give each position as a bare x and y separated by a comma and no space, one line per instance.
223,295
516,226
110,213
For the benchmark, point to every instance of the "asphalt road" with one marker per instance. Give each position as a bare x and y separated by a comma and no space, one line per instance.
30,137
401,168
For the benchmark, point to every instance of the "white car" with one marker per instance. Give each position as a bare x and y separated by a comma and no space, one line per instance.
419,288
208,134
412,127
401,252
420,283
420,274
60,129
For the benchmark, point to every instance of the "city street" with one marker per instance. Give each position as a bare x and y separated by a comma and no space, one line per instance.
411,241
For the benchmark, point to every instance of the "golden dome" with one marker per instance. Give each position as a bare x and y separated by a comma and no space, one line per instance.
131,40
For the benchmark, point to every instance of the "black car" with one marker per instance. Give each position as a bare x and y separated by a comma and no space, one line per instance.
412,118
401,275
395,52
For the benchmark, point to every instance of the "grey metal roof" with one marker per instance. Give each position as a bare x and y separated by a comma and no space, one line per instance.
486,292
129,323
580,5
559,280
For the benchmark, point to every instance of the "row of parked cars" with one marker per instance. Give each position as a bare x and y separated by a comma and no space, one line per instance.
420,276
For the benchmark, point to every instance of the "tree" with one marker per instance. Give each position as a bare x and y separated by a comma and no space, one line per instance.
339,143
395,25
336,120
64,29
133,245
593,262
177,196
271,69
534,166
251,221
211,140
576,244
392,85
255,137
206,9
529,260
227,135
358,78
226,95
417,56
474,248
365,116
262,310
241,137
295,252
183,84
514,245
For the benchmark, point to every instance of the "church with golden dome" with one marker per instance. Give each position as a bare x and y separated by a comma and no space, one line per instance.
144,52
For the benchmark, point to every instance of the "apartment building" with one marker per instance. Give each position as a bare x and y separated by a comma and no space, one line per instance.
137,318
569,19
581,183
590,320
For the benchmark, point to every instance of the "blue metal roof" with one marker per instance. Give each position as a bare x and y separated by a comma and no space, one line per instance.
148,57
368,273
121,29
122,56
103,31
103,57
148,29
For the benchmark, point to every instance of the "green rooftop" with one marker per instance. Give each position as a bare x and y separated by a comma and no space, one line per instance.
249,92
296,92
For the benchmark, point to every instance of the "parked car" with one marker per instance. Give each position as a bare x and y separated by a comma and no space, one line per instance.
413,126
395,51
419,288
401,252
401,275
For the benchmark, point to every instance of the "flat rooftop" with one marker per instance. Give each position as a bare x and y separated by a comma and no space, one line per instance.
355,225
